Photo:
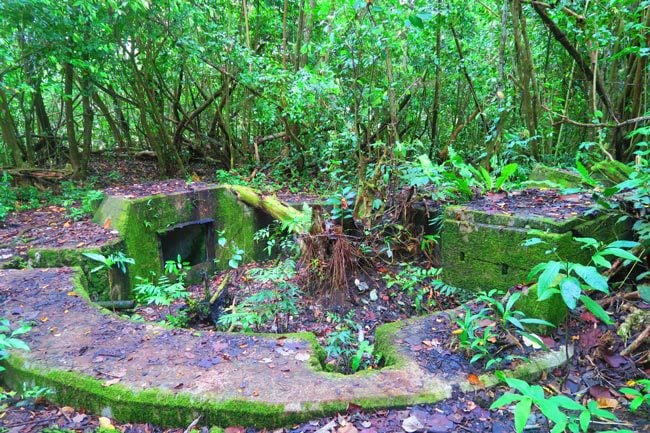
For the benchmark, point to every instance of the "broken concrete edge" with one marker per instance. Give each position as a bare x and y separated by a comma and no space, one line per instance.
55,257
167,409
528,371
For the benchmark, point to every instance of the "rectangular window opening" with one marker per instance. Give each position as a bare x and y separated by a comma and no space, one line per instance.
192,241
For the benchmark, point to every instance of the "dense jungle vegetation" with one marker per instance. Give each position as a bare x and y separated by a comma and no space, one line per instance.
323,92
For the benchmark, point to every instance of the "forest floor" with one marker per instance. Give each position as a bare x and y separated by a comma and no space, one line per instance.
596,372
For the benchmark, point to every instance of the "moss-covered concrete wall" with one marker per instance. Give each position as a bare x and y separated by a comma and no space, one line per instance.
141,220
99,288
481,251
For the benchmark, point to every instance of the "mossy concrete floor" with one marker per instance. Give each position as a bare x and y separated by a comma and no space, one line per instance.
138,372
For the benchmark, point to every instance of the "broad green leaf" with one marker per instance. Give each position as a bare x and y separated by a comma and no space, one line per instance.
518,384
591,277
570,290
601,261
522,412
596,309
547,278
644,292
566,402
585,420
506,399
623,244
506,172
621,253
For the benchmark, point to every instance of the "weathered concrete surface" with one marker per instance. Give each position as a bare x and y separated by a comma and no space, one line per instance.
142,372
140,222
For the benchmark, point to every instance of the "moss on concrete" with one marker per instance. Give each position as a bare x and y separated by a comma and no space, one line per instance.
98,282
482,251
140,221
553,310
560,177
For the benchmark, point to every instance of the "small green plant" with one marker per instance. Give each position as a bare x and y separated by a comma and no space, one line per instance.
347,349
78,201
277,305
564,412
9,339
509,316
167,287
114,260
639,396
342,203
574,281
419,284
7,196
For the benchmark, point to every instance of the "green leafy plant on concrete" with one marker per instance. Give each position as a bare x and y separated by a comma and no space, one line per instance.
639,396
574,281
9,339
563,412
479,340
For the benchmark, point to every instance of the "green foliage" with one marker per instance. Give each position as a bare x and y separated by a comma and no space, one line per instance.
9,339
118,260
7,196
79,201
342,203
574,281
347,349
419,284
564,412
639,396
167,287
480,332
276,305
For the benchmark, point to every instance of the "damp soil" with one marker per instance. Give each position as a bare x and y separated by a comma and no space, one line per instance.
534,202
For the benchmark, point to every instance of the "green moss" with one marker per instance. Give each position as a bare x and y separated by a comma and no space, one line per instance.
558,176
98,282
140,221
385,344
611,172
553,310
481,251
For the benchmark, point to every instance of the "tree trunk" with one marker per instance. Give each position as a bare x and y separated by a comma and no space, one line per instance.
73,147
9,129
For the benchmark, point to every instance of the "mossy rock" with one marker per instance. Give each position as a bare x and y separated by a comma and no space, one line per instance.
553,176
611,172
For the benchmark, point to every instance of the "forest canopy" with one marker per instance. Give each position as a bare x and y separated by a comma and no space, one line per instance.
322,90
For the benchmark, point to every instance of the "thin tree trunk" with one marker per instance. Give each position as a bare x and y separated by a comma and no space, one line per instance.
469,79
88,116
9,129
73,147
435,109
561,37
112,125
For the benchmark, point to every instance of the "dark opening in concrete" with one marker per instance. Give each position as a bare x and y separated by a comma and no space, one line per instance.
193,241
